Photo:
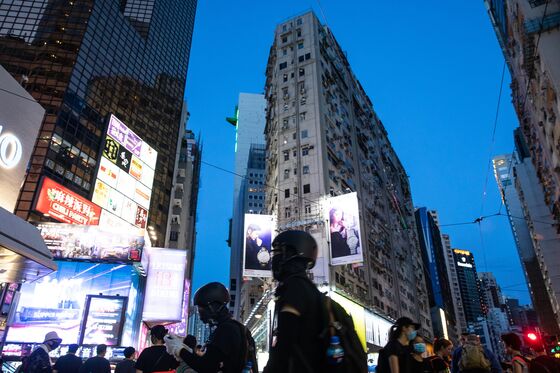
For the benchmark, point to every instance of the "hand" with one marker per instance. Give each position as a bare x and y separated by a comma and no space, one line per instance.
174,345
259,241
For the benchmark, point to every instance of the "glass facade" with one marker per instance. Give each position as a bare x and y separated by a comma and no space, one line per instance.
469,285
82,60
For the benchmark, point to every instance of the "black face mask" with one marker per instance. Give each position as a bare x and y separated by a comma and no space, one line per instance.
205,314
277,267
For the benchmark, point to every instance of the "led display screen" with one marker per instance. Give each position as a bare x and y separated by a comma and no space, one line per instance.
103,321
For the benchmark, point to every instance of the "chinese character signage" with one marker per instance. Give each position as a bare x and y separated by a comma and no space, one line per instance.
66,206
126,175
92,243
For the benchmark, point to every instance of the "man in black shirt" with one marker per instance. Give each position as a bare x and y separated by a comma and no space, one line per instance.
97,364
227,349
296,343
127,365
69,363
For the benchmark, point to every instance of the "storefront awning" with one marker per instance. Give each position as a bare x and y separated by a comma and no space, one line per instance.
24,257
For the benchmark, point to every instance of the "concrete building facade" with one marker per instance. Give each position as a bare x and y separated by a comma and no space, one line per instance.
323,139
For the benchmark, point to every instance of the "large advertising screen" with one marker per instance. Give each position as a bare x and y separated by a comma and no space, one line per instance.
92,243
344,229
377,329
103,320
165,284
257,257
62,204
125,175
57,302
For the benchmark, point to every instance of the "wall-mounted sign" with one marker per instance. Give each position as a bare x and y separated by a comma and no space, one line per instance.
165,284
20,120
126,174
92,243
62,204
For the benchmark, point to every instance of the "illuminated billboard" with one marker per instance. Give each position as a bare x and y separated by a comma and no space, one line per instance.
103,320
125,175
257,258
62,204
358,315
344,229
377,329
92,243
57,302
165,284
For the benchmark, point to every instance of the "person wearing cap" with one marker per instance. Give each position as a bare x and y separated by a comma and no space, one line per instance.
39,361
69,363
394,357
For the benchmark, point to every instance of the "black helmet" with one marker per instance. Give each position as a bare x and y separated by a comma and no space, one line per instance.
211,293
292,246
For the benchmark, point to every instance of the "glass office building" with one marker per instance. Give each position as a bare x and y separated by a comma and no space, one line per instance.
83,60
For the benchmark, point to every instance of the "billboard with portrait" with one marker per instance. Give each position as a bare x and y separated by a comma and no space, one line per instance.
103,320
92,243
344,229
257,257
57,302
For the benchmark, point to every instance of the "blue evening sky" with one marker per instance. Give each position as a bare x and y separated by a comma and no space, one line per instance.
432,73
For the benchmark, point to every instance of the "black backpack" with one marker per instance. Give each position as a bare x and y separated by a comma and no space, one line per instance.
339,323
382,362
248,350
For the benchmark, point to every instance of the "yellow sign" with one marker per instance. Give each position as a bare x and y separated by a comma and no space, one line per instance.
358,315
464,252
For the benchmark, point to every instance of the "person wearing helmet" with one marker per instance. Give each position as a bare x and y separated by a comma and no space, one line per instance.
295,344
227,348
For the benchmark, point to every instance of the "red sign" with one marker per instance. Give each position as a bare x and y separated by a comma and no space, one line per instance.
66,206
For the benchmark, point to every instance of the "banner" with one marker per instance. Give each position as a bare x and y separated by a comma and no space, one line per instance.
257,257
92,243
344,229
62,204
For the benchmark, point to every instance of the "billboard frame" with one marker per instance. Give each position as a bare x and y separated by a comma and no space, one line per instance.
86,316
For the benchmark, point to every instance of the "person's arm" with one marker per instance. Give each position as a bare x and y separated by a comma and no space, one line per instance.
208,363
394,363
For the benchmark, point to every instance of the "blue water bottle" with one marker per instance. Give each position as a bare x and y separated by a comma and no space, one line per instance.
335,352
248,368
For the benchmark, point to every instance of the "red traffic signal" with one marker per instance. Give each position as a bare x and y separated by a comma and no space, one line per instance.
532,337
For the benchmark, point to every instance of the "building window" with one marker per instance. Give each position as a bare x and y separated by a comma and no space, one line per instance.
307,188
307,56
295,190
300,45
287,212
305,170
299,22
304,134
305,151
286,193
286,174
284,39
294,135
301,58
301,71
298,32
286,155
295,171
285,78
302,115
284,27
284,51
283,65
295,151
308,209
174,236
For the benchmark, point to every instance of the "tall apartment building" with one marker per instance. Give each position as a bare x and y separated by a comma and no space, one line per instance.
459,312
248,193
529,34
491,292
469,285
83,60
533,229
181,231
323,139
436,273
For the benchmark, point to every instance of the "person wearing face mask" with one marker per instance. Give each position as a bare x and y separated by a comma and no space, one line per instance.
394,357
39,360
416,360
155,358
230,346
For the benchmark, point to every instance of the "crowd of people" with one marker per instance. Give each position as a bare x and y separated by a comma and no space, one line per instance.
310,334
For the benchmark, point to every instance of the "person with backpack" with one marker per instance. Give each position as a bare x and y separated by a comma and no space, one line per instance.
394,357
311,332
519,363
39,361
439,362
542,363
472,357
230,347
155,358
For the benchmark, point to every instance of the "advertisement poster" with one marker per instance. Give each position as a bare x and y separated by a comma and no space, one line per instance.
257,258
377,329
103,320
92,243
165,284
344,229
62,204
57,302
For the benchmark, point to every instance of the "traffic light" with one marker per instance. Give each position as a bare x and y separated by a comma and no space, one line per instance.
532,337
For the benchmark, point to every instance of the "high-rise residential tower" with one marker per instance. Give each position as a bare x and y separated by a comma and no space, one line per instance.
436,273
529,33
248,194
469,285
324,139
460,321
84,60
